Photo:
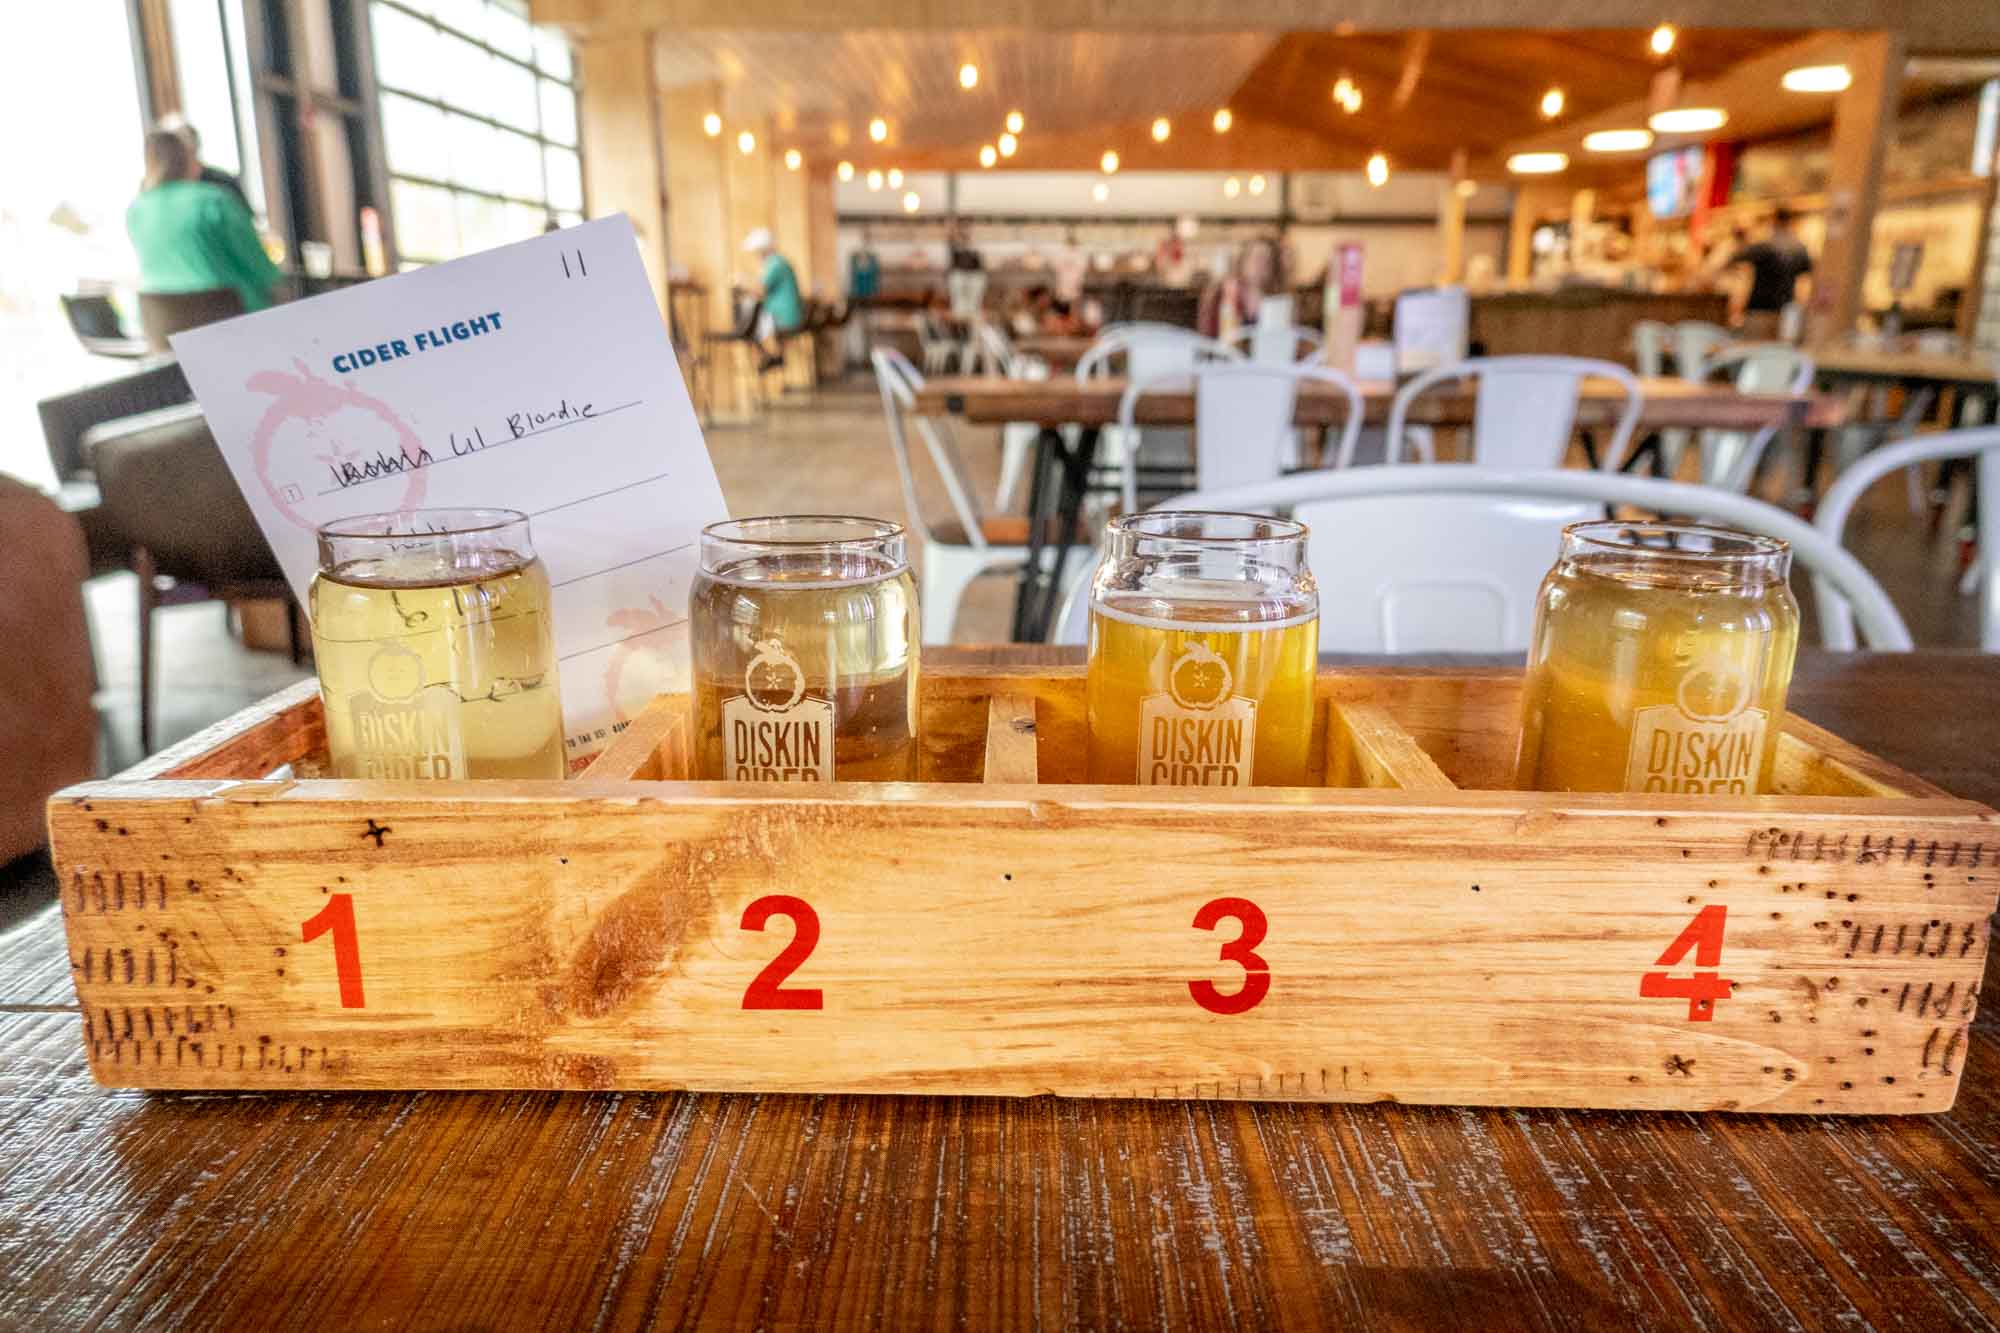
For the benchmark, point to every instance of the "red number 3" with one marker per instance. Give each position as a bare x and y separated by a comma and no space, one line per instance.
767,990
1242,951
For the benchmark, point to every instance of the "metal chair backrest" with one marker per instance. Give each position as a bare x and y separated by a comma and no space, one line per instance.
1242,420
1376,576
1649,347
1151,352
1526,408
1276,344
898,382
1983,443
1729,458
163,314
1694,342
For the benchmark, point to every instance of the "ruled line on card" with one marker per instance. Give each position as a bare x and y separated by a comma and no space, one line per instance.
613,569
613,643
570,504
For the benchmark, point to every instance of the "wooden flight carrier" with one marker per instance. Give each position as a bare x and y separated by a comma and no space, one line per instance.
1407,932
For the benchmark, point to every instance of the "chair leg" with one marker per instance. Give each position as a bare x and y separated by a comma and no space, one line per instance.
1017,445
149,598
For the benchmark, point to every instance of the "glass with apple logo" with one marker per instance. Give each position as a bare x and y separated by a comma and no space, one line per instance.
1204,645
804,636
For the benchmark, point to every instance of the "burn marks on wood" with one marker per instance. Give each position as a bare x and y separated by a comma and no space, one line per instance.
1870,849
102,892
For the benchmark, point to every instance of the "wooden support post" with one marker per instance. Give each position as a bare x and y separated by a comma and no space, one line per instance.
1451,233
623,166
1862,117
699,228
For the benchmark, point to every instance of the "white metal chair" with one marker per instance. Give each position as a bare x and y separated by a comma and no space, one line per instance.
1729,457
1017,438
1276,344
1242,421
1150,352
1650,339
970,543
1695,341
1982,443
1526,408
937,347
1448,559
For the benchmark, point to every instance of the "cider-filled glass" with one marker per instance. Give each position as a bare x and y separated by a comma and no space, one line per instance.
1204,642
436,655
805,639
1659,663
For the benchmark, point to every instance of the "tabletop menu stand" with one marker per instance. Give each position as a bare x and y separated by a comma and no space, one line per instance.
1409,931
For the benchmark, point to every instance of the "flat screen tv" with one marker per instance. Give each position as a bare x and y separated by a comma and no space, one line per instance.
1672,179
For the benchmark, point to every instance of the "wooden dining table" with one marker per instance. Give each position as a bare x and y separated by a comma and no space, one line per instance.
1061,469
579,1210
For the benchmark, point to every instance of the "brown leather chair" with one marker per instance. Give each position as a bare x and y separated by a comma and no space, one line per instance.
165,313
48,729
170,497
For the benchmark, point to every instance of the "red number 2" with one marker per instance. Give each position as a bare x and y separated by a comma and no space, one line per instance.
767,990
1704,988
338,917
1242,951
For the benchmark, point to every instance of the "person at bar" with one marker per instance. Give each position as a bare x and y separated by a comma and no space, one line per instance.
1778,265
783,310
213,175
192,235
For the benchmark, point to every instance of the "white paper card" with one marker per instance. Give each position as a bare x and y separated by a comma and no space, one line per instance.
536,377
1431,328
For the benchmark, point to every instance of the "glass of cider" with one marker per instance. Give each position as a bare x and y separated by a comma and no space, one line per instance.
1204,644
804,633
436,655
1659,663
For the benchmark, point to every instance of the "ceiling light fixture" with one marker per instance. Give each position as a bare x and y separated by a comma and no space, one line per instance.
1537,164
1161,129
874,180
988,155
912,202
1100,192
1552,103
746,143
895,178
1231,188
1109,162
1223,120
1617,141
794,159
1663,39
1257,184
1015,122
711,124
1347,94
1688,119
968,75
845,171
878,129
1378,170
1817,79
1466,188
1008,143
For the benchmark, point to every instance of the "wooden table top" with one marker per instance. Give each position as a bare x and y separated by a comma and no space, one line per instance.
1669,403
578,1210
1862,364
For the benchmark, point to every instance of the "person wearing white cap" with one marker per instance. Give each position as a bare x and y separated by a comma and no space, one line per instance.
783,311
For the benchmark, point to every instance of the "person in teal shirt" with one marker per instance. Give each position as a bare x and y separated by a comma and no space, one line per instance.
192,235
784,309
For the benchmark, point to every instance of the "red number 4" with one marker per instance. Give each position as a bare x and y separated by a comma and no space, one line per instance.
1704,988
338,917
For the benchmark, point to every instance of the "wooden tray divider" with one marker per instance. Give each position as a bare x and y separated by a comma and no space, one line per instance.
1012,753
1366,747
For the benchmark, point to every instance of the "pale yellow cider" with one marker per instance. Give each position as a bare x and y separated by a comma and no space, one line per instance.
799,677
1211,697
436,671
1650,684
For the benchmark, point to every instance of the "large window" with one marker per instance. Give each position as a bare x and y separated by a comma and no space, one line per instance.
478,125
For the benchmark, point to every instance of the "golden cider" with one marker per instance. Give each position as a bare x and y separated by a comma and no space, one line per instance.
1660,662
805,652
438,672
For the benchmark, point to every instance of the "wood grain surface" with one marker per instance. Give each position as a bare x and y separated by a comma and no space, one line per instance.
490,1210
1669,403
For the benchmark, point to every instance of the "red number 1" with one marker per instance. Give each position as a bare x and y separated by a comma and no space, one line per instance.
338,917
1704,988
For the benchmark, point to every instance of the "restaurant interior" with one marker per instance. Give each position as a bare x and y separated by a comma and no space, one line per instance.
1436,278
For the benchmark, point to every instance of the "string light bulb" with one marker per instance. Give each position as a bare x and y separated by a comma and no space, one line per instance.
895,178
1109,162
912,201
1257,184
878,129
711,124
794,159
968,75
746,143
1347,94
845,171
1663,39
1223,120
1378,170
1231,188
1161,129
874,180
1008,143
988,155
1552,103
1100,192
1015,122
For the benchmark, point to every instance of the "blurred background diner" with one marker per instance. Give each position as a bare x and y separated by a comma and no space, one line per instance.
1003,281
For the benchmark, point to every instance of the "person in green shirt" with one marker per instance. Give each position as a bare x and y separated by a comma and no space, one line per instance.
784,310
193,235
